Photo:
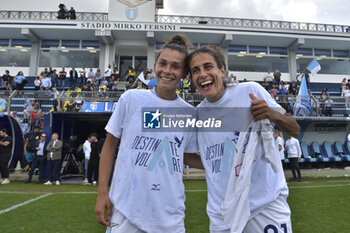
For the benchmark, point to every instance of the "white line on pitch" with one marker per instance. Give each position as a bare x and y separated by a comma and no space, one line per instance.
319,186
24,203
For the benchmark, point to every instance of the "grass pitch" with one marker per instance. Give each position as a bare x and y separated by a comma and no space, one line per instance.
319,205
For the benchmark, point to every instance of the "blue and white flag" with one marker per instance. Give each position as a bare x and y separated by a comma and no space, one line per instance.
314,66
302,105
150,83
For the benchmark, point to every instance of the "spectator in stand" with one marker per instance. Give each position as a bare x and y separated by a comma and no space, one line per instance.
292,90
265,84
31,138
46,82
54,78
94,161
299,76
82,72
73,77
5,156
149,74
131,83
346,95
115,86
294,155
3,104
323,98
98,77
54,153
6,78
39,159
56,94
20,81
348,83
328,107
286,85
104,81
131,74
269,76
186,85
39,120
108,72
90,79
61,79
343,86
15,116
37,83
70,106
277,76
283,92
274,91
307,76
71,14
115,75
91,73
78,103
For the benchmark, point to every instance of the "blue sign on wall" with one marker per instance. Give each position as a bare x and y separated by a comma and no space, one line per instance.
99,106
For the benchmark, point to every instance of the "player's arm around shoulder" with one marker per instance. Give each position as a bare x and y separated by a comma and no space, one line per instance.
261,110
103,202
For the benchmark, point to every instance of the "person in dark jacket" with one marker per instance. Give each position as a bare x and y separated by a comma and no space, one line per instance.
31,138
72,14
5,155
39,159
73,77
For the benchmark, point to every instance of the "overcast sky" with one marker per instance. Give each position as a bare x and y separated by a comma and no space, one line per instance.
317,11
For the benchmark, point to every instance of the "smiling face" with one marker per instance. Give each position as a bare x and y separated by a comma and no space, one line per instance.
207,76
169,69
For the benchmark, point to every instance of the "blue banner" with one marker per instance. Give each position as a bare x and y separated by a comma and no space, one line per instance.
99,106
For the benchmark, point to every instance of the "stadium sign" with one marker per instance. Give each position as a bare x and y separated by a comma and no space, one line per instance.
128,26
99,106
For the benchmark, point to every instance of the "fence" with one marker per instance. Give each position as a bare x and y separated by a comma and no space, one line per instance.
72,101
190,20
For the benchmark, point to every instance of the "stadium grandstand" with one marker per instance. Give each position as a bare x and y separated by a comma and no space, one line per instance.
110,49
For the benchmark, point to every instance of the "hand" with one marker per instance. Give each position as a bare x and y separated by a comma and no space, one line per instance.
103,203
299,158
259,108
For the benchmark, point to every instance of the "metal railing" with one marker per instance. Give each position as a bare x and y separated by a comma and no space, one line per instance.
190,20
252,23
50,15
46,101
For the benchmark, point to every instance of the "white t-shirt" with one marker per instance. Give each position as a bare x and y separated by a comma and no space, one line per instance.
348,138
293,148
346,93
218,148
87,149
108,72
279,142
147,185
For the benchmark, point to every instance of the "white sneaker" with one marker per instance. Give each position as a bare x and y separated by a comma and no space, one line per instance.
94,183
57,182
48,183
5,181
85,181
